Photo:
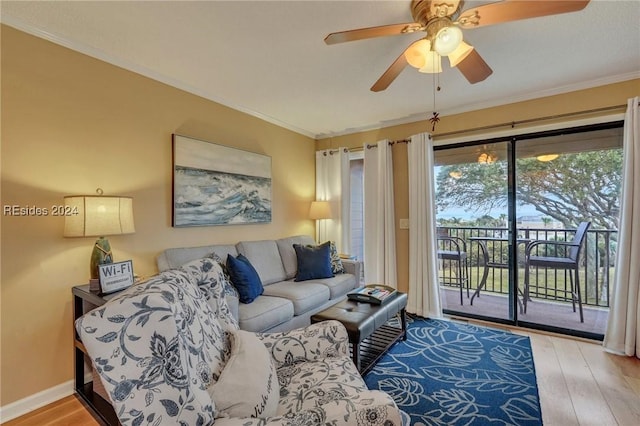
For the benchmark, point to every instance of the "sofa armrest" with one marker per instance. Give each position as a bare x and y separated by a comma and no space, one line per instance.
314,342
353,267
370,407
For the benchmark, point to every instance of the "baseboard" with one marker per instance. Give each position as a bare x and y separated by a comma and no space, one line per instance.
35,401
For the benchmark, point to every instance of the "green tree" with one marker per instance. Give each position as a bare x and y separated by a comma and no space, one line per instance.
570,189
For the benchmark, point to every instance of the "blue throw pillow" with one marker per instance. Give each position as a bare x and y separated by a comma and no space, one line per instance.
244,278
313,261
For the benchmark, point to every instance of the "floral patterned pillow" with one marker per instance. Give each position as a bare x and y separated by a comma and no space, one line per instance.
336,263
248,386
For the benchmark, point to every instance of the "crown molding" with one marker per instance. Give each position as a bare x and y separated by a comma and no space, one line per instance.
424,116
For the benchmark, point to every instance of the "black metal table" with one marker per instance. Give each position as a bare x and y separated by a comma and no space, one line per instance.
489,263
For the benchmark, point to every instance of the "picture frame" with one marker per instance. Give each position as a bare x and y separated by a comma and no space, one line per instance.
115,276
218,185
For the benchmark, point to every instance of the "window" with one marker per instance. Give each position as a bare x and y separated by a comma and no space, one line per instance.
356,167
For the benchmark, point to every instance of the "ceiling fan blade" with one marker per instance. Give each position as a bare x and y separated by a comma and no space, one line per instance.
363,33
474,68
513,10
390,74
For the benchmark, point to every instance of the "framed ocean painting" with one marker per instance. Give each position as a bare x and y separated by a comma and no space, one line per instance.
219,185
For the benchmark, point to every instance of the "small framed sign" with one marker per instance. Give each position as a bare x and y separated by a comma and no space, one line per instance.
115,276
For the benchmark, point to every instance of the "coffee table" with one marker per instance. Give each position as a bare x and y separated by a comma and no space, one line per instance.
369,334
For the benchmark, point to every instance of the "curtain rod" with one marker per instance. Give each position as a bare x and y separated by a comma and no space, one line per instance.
334,151
375,145
512,124
495,126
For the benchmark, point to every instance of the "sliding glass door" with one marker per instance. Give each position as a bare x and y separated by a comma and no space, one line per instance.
511,214
472,210
573,180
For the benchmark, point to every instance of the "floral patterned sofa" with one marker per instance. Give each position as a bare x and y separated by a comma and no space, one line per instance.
168,352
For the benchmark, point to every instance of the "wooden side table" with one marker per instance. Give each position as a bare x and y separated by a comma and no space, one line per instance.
84,301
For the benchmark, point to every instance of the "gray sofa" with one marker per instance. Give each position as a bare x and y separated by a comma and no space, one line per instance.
285,304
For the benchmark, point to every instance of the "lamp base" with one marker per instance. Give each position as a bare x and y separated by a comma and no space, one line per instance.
101,255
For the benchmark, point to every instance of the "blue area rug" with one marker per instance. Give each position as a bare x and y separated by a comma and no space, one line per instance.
450,373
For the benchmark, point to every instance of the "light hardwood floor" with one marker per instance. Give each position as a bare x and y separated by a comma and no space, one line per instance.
579,384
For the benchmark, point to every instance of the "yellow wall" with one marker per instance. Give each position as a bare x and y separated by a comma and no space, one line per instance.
71,124
599,97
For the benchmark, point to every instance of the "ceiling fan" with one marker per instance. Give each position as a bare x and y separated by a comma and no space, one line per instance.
441,20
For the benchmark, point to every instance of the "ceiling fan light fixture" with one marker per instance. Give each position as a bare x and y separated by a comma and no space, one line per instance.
487,158
447,40
458,55
416,53
433,63
547,157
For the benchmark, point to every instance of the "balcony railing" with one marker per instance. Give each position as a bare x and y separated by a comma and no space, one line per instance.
596,271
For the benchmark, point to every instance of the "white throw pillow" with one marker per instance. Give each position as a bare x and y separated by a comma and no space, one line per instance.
248,385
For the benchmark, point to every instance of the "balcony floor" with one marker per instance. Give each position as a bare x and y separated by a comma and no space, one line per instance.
539,311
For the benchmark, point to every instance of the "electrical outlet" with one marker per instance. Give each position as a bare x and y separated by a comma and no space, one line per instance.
404,223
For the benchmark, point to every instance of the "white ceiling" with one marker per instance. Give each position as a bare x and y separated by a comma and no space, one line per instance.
268,58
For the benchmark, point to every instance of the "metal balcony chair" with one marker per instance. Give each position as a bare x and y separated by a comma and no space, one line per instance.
569,261
454,250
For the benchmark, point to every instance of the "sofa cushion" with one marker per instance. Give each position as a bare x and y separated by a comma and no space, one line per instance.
264,313
244,278
248,386
288,254
304,295
265,257
176,257
313,261
158,347
339,285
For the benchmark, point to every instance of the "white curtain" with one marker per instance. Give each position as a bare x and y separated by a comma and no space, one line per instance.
379,217
623,333
333,185
424,294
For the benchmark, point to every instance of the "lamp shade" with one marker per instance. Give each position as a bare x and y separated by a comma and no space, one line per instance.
447,40
97,216
461,52
320,210
417,52
433,63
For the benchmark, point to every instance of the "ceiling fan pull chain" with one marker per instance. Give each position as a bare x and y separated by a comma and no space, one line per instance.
436,88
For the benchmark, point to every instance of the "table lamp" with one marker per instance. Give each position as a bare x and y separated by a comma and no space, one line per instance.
98,216
319,211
